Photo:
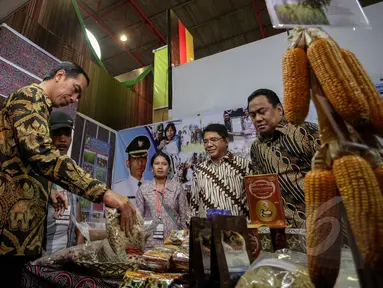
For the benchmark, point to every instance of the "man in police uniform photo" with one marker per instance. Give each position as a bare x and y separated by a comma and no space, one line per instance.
137,159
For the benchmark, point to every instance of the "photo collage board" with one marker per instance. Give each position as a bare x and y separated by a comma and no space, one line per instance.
94,162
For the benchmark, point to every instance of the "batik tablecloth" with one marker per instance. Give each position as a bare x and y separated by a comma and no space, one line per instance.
38,276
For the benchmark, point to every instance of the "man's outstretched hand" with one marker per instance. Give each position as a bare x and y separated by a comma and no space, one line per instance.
122,204
59,203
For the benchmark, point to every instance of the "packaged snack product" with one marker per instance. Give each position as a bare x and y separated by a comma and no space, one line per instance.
231,249
177,237
162,280
157,259
180,261
200,245
135,279
265,202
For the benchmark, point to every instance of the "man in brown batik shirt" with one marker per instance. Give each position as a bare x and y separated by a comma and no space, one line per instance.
283,149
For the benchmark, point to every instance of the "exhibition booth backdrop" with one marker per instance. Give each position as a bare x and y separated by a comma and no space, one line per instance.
184,145
226,79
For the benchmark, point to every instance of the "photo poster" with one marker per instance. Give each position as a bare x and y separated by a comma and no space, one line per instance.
184,147
313,13
379,87
94,162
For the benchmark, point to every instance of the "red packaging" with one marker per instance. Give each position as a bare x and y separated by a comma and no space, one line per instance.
265,202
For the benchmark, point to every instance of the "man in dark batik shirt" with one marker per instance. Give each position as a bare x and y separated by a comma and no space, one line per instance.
284,149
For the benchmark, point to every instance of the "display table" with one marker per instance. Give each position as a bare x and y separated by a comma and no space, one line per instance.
39,276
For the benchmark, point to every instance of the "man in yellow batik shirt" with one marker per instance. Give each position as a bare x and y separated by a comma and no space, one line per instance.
28,160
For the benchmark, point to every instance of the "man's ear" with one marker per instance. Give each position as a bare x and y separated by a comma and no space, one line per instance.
280,109
227,140
59,75
127,164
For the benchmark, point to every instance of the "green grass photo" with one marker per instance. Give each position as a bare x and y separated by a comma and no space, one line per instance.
300,14
89,157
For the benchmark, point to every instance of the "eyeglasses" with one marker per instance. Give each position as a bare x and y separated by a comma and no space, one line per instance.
212,140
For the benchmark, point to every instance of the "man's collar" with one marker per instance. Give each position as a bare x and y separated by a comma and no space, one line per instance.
45,95
280,129
228,157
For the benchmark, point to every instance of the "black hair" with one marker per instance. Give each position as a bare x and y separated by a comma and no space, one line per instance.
271,96
71,70
171,125
160,153
218,128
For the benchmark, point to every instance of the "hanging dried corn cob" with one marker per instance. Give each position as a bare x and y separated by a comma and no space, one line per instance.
363,202
338,82
368,89
296,85
323,248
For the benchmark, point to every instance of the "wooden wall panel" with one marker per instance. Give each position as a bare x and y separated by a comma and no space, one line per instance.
160,115
113,104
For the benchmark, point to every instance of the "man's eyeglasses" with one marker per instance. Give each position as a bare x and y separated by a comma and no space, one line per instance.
212,140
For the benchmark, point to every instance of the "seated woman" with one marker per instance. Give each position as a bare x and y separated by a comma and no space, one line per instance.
162,201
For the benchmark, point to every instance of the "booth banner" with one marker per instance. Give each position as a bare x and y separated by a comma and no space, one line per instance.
182,140
181,41
379,87
160,91
95,162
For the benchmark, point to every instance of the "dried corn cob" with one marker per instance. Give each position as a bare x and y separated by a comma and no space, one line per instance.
368,89
363,201
321,208
296,85
379,176
338,82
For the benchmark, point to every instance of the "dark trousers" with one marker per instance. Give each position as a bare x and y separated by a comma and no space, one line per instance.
11,269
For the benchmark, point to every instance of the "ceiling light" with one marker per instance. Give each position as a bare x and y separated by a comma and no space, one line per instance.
93,41
123,38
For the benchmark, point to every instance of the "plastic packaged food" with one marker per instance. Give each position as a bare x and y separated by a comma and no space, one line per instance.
180,260
117,238
105,258
135,279
177,237
162,280
231,251
200,250
157,259
284,268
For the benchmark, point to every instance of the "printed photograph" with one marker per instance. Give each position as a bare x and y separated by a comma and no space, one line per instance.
88,168
98,207
87,141
98,217
85,217
90,157
238,122
299,12
101,174
192,131
85,204
102,161
167,136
